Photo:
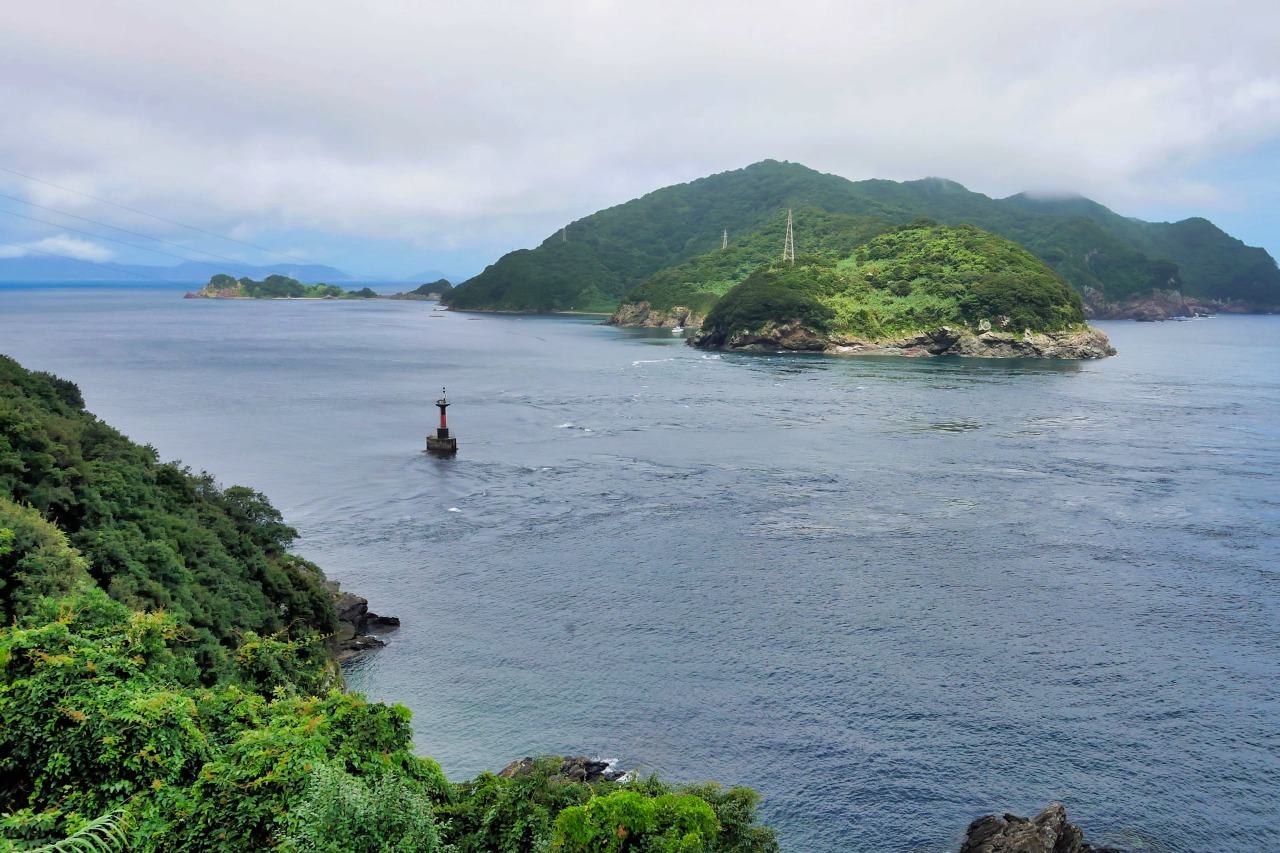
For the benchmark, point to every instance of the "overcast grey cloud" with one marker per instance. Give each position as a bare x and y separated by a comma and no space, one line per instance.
380,135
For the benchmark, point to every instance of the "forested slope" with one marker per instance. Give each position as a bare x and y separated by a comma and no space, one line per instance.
909,282
166,682
593,263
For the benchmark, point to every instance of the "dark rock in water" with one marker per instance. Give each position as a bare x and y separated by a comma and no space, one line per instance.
1047,832
356,623
579,768
376,624
572,768
353,646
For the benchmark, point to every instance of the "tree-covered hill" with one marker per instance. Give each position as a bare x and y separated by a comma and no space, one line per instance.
153,535
905,282
697,283
223,286
594,262
165,683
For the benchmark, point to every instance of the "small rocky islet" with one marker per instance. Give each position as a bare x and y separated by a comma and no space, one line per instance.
918,290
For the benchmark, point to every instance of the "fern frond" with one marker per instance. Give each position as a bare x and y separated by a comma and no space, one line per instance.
106,834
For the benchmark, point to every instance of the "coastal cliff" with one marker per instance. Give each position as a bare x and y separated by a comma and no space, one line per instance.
1159,304
645,315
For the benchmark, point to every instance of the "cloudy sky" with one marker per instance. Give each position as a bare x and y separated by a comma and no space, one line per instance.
388,137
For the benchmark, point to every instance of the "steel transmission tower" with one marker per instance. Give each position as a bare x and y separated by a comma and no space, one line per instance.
789,247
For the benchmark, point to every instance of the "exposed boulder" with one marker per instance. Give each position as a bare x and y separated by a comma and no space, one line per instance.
571,768
356,624
1047,832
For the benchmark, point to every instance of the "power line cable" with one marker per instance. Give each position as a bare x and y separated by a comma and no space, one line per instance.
83,261
99,236
154,216
122,230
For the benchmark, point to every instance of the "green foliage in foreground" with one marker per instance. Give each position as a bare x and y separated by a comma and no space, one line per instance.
279,287
164,682
95,717
153,535
911,279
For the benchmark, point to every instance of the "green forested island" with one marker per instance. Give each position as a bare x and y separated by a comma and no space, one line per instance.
167,682
223,286
661,259
918,289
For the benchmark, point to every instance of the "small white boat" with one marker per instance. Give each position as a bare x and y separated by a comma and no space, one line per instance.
677,330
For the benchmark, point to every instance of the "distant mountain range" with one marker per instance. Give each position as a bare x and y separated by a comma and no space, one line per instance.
46,269
670,241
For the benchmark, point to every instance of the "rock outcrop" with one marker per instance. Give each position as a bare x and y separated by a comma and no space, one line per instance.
1047,832
1158,305
944,340
572,768
356,625
643,314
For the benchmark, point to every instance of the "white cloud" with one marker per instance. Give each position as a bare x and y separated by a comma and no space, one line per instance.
448,124
62,245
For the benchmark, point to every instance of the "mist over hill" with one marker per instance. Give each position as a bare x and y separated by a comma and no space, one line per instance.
596,262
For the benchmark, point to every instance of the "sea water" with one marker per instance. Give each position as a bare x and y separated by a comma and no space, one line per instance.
889,594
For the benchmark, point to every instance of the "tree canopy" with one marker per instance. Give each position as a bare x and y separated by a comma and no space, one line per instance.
909,279
278,287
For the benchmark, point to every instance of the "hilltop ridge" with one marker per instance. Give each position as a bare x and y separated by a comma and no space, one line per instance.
618,256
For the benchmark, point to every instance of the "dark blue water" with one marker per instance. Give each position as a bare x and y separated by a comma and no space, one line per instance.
889,594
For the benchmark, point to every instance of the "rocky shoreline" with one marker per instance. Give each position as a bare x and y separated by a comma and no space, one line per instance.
644,315
1159,305
791,336
1154,306
357,625
1047,832
571,768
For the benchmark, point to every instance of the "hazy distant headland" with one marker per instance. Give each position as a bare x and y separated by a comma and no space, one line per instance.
667,258
223,286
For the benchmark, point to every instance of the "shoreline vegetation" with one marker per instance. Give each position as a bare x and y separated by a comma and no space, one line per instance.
169,681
